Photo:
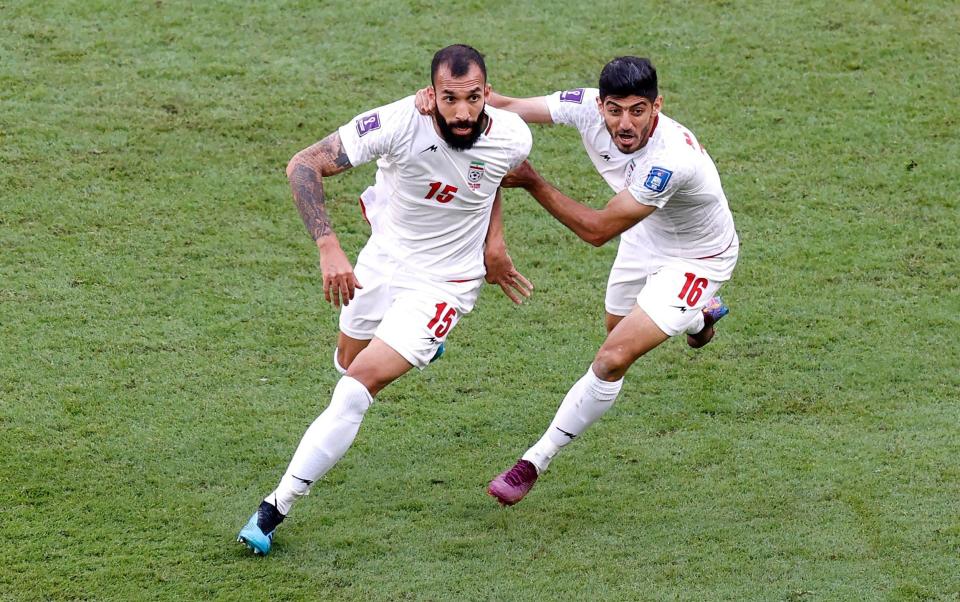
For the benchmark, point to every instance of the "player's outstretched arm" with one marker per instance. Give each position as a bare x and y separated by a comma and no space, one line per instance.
306,171
531,110
596,226
499,265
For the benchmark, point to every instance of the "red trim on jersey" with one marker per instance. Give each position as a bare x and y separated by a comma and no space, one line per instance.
721,252
462,281
487,131
363,211
656,120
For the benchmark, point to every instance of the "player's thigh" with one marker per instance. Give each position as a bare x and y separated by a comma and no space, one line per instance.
634,335
419,321
675,295
378,365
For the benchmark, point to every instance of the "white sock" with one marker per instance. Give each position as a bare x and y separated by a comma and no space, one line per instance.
585,403
336,362
697,324
324,443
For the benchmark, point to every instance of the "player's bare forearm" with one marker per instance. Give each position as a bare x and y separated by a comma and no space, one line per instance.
592,225
531,110
305,172
495,242
496,260
307,186
595,226
581,220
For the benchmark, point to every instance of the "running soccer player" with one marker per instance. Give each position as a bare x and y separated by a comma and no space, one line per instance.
677,238
435,219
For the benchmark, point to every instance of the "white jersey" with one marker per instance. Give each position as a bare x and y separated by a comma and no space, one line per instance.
436,201
671,172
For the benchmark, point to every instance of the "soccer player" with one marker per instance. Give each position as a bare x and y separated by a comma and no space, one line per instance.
677,246
437,221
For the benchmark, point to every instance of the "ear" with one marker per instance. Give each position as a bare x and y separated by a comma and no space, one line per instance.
599,105
432,94
487,89
657,105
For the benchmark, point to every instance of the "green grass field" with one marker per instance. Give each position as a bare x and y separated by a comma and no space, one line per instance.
164,342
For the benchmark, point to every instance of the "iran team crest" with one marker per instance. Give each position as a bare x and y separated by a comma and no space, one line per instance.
475,174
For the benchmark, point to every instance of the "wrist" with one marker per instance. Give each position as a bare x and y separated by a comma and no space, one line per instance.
327,242
497,246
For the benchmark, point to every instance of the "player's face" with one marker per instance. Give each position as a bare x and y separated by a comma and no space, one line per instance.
460,102
629,120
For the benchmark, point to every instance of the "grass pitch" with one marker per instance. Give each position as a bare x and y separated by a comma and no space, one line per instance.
164,342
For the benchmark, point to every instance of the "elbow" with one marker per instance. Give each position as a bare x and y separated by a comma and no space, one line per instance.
596,239
595,234
292,164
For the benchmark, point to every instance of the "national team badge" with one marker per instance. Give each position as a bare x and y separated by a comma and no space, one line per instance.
575,95
368,124
657,179
475,174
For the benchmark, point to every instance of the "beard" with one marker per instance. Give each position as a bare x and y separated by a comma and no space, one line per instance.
458,141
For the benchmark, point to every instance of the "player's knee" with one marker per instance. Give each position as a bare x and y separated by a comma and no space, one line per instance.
611,363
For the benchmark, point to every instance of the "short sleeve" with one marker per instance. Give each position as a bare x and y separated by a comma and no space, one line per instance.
373,134
655,181
524,144
576,107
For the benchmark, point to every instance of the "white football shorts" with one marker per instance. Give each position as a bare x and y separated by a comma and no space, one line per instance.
671,290
412,315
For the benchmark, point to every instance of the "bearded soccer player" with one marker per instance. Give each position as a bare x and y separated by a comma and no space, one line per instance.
677,238
436,222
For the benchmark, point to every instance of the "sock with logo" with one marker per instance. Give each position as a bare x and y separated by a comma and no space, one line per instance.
324,443
584,404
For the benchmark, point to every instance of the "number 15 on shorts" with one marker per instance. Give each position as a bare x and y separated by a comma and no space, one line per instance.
442,320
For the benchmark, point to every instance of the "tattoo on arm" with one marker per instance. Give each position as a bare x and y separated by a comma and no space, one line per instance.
311,202
325,158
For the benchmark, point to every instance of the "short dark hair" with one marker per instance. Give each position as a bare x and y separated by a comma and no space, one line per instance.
457,58
629,76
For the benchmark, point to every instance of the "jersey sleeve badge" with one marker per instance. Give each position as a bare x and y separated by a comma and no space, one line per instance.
368,123
657,179
575,95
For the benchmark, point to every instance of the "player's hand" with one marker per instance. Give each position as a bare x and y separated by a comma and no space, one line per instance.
501,271
339,281
521,176
424,103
